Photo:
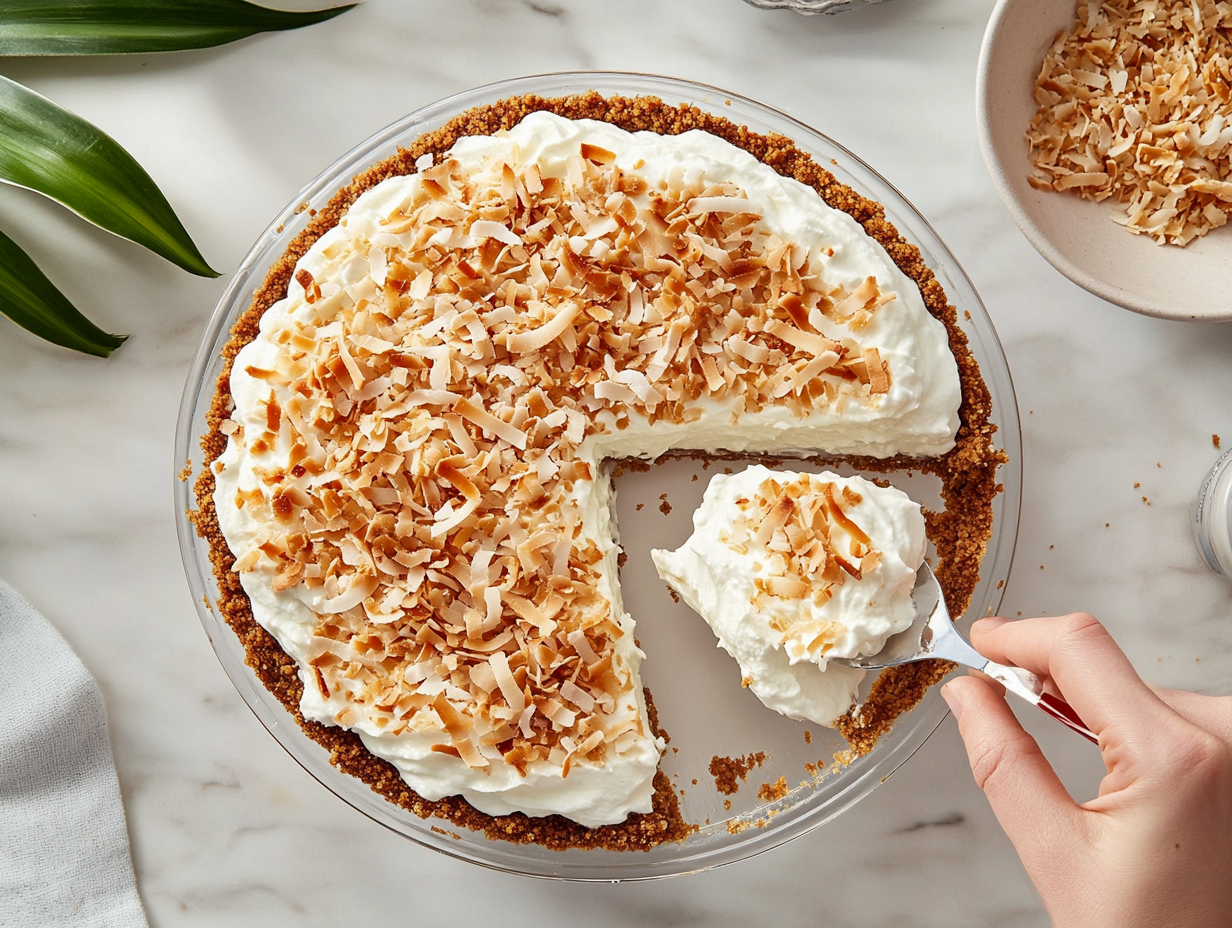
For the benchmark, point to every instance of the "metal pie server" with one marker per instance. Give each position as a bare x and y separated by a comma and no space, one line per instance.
933,635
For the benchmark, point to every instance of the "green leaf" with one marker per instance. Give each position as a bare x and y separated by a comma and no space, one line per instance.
120,27
33,302
46,148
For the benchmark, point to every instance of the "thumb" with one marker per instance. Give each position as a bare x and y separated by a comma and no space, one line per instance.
1041,820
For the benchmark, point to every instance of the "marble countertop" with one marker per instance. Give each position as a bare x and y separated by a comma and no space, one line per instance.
1118,414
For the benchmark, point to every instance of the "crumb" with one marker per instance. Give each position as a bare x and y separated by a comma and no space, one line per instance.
1000,583
1215,441
186,472
967,314
727,771
1107,525
1051,547
1137,485
640,506
695,781
808,736
773,792
727,804
673,594
695,478
664,507
1145,500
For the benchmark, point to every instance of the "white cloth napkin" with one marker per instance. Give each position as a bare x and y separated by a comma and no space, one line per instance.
64,857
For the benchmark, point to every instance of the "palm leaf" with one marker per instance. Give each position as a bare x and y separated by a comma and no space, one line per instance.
33,302
48,149
119,27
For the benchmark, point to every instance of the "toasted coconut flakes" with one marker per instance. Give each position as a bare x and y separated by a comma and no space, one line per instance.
787,587
1132,106
724,205
596,154
775,519
491,424
878,379
758,354
459,480
360,588
447,518
508,685
817,345
484,228
535,339
578,641
578,696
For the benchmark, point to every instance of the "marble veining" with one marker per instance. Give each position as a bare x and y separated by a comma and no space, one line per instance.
226,828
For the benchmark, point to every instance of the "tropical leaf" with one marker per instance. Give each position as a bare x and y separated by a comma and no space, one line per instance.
33,302
46,148
119,27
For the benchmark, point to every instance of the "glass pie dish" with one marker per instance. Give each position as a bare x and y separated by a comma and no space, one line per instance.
696,687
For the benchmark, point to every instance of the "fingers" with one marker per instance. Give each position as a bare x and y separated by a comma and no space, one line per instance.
1211,713
1088,668
1028,799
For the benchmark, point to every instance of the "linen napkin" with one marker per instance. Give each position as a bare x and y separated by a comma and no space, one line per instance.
64,856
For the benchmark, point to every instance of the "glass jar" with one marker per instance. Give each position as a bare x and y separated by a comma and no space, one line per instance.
1212,517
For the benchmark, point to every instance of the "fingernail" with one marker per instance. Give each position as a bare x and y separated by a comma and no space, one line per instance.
953,700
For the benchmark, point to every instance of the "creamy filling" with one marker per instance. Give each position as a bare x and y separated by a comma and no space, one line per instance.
914,413
782,600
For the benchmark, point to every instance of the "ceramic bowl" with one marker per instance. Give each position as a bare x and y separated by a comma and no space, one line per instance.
1079,237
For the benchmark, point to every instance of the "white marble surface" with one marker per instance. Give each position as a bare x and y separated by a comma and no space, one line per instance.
226,828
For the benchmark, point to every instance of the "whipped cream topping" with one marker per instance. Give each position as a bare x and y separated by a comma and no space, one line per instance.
890,387
790,570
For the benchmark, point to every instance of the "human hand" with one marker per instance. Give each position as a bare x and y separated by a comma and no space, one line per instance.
1154,849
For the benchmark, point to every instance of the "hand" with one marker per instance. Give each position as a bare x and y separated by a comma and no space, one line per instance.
1154,849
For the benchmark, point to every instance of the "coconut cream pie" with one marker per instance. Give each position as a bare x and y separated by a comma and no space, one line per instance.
409,490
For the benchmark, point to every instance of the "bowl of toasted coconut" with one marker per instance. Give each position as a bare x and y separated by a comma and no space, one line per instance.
1107,129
